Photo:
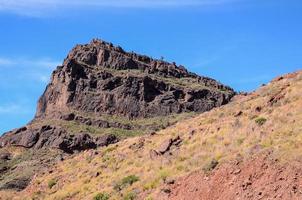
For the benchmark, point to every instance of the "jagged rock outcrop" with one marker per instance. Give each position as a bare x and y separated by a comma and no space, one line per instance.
101,78
98,94
54,137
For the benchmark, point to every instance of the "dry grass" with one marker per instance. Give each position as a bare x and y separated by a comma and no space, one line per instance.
139,126
221,134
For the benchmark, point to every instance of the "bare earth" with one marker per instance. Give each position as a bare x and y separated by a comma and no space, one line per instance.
261,177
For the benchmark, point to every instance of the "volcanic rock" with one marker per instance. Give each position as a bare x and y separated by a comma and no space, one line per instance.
55,137
101,78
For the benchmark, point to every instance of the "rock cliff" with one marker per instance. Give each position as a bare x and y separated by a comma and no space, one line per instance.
104,79
99,79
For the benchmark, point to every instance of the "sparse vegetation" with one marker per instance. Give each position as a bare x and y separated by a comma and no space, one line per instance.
260,121
210,166
130,196
126,181
101,196
139,126
215,141
51,183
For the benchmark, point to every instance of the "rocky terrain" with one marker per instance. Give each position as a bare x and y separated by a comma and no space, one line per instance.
248,149
100,95
102,79
86,143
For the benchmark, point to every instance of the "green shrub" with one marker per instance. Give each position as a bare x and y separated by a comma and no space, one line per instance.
126,181
240,141
260,121
129,196
51,183
130,179
101,196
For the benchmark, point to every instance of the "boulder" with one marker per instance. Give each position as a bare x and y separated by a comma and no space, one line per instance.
105,140
17,184
167,144
55,137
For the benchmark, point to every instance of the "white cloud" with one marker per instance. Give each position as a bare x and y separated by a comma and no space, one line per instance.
39,7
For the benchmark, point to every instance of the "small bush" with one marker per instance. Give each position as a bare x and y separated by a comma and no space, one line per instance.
101,196
126,181
240,141
164,174
151,185
210,166
129,196
51,183
129,180
260,121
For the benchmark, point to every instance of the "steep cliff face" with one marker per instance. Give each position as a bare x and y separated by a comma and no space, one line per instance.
102,79
99,95
98,84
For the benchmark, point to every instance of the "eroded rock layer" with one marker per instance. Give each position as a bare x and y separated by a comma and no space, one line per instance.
101,78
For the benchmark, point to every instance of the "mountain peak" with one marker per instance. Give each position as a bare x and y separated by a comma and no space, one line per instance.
102,94
102,78
105,54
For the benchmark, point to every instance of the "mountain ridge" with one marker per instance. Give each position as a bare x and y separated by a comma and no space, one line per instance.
146,79
100,95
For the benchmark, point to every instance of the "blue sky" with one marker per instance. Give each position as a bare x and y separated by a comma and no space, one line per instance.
242,43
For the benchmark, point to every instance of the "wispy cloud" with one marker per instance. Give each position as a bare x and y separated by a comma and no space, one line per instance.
256,79
25,68
5,61
43,62
38,7
13,109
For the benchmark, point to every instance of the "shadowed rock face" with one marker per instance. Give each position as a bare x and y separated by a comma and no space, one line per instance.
101,78
97,80
54,137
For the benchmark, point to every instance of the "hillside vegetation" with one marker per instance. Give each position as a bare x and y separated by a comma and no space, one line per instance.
265,122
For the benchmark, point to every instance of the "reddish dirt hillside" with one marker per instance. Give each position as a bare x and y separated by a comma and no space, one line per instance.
272,170
262,177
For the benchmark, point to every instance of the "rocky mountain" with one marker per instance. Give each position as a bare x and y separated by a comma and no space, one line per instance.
101,94
248,149
103,79
99,79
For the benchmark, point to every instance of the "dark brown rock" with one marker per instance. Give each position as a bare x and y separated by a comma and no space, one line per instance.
72,143
153,154
238,114
99,79
5,156
106,140
68,117
55,137
17,184
167,144
3,169
91,80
